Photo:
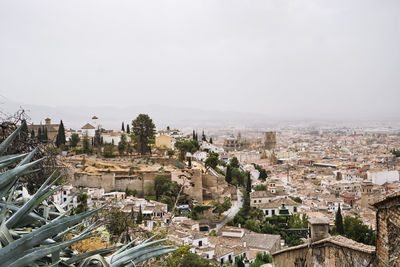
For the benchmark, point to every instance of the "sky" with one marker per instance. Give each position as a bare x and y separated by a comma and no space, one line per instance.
289,59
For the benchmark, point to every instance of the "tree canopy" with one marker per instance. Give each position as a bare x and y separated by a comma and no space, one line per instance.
143,131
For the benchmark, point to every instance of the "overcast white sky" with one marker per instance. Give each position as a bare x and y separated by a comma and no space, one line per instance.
280,58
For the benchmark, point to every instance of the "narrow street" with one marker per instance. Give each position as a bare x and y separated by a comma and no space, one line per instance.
236,206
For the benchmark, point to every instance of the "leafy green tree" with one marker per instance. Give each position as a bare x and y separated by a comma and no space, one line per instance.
260,187
234,162
122,145
82,206
143,131
356,230
296,199
184,258
261,258
60,139
75,139
228,176
339,222
86,145
212,161
186,146
238,177
118,222
160,185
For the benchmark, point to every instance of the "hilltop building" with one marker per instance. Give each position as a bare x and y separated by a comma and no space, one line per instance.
52,129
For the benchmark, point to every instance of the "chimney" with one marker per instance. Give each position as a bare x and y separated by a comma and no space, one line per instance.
48,121
319,229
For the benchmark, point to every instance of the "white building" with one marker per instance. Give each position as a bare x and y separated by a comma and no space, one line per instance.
381,177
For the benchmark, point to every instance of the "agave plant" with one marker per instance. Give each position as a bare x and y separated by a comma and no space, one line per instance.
32,228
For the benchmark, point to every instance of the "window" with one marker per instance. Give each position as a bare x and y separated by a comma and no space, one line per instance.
273,212
266,212
259,201
255,201
200,243
294,209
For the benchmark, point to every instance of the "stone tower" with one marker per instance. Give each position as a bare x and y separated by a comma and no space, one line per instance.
366,192
270,140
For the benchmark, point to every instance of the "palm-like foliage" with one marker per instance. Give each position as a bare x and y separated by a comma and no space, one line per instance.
32,228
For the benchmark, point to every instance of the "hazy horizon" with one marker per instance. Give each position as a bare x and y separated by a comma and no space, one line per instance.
297,60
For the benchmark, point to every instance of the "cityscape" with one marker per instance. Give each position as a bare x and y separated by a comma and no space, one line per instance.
190,134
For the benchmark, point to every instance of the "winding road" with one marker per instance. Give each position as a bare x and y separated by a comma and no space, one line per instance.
236,206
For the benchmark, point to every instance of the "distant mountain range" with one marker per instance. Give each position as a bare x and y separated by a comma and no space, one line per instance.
112,117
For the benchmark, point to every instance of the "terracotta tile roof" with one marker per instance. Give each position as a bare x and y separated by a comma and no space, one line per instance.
88,126
261,241
278,203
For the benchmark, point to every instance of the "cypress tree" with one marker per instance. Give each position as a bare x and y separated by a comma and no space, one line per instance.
24,127
339,222
194,135
60,139
211,140
40,134
127,129
228,176
45,136
123,127
248,185
190,162
32,133
139,218
203,137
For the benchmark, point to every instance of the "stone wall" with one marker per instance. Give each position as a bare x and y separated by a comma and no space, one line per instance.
112,182
388,233
323,255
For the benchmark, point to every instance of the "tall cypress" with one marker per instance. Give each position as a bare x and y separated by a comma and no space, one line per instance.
139,218
339,222
60,139
127,129
194,135
40,134
32,133
211,141
123,127
228,176
45,136
248,185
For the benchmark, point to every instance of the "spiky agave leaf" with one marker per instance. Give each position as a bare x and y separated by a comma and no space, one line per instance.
88,261
5,159
144,244
12,160
81,257
46,231
38,198
33,254
137,254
